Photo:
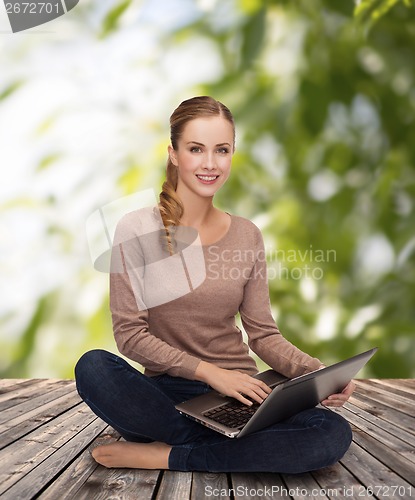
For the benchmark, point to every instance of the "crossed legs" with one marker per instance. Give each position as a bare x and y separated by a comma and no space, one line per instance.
142,410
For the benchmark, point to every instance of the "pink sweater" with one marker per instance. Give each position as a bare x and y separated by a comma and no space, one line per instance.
174,336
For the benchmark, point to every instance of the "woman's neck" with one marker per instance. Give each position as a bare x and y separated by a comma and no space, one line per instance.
198,217
198,211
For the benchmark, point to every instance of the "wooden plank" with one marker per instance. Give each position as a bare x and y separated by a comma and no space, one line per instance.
13,384
388,456
175,484
391,388
370,472
373,423
40,476
72,478
52,460
28,402
336,481
267,486
5,382
209,485
122,484
405,384
85,479
384,412
23,394
26,454
25,423
403,404
303,487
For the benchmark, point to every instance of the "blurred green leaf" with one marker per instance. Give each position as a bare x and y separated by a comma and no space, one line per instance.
253,37
47,161
368,12
18,366
10,89
111,20
250,6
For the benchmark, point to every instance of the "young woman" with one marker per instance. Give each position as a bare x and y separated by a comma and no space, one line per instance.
188,342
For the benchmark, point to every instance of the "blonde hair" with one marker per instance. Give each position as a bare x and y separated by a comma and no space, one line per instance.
170,205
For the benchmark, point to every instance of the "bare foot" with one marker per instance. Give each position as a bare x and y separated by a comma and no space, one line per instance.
133,455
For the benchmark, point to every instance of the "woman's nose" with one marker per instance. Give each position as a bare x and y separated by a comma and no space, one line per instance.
210,161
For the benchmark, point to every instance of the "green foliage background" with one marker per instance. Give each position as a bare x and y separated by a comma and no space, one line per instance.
323,97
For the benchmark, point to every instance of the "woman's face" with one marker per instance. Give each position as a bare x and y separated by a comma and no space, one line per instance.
203,155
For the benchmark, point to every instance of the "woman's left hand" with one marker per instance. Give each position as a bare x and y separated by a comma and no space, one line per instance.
340,399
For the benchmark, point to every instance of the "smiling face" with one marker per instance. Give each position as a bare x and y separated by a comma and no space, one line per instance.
203,156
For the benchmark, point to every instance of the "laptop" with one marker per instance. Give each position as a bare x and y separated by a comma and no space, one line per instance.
289,396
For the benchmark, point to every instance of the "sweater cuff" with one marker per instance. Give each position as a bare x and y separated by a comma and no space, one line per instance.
314,364
187,369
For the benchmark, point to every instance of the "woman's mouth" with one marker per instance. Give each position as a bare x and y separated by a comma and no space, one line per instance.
207,179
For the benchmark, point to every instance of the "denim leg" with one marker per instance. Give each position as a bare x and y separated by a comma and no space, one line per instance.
140,408
310,440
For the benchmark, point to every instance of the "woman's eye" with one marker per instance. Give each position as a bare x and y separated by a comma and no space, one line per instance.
195,149
223,150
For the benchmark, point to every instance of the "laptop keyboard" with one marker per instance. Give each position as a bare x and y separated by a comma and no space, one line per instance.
233,414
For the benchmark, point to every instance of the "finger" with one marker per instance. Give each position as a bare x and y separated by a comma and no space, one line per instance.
342,397
255,392
349,389
338,403
331,402
333,399
246,393
261,394
336,400
242,399
264,387
255,396
251,381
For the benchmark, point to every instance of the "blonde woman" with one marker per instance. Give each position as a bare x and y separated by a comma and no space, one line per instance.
190,344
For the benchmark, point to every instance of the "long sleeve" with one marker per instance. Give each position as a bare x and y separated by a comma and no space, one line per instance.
129,314
168,326
264,337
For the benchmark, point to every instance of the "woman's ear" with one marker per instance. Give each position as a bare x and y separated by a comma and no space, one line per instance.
172,155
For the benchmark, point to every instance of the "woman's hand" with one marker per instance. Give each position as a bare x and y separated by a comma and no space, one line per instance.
340,399
232,383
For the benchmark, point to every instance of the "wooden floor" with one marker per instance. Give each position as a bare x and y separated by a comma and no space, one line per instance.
46,432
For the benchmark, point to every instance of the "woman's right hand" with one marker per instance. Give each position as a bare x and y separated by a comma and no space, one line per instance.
232,383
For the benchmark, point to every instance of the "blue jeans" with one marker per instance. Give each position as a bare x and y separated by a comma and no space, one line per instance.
142,409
